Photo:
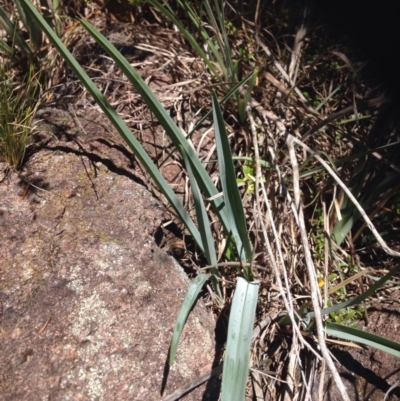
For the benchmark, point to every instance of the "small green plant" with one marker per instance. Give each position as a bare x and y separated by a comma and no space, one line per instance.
230,28
345,316
245,55
18,102
23,32
317,235
23,58
249,179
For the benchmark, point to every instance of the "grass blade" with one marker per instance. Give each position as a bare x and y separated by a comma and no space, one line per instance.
12,32
186,307
232,199
224,41
7,49
202,217
366,196
213,49
30,24
169,14
241,321
204,225
231,92
363,337
217,49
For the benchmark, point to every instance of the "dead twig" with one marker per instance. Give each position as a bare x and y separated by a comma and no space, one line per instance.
315,294
286,295
364,215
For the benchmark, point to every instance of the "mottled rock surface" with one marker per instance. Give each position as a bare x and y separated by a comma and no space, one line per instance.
87,306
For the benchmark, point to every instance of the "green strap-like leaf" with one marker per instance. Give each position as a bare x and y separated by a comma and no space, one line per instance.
363,337
204,225
237,358
233,202
186,307
202,177
202,217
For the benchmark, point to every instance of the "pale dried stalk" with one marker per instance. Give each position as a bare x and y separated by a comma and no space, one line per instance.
280,68
315,294
321,382
268,115
296,51
291,372
286,296
288,302
257,385
370,225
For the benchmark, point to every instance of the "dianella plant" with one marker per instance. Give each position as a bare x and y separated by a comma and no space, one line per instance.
227,207
213,46
23,31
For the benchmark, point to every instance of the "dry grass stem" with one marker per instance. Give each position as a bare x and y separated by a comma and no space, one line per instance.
364,215
315,294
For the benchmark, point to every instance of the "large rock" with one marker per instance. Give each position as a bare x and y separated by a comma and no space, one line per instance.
88,307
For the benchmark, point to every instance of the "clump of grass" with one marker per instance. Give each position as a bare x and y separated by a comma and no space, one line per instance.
24,63
18,103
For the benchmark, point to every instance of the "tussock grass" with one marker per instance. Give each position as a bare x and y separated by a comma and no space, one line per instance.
18,103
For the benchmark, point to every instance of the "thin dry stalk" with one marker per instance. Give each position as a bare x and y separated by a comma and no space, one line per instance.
370,225
280,68
288,395
296,51
315,295
286,295
321,382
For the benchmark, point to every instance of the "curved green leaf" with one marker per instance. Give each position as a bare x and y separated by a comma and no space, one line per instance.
363,337
186,307
233,202
204,225
202,177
